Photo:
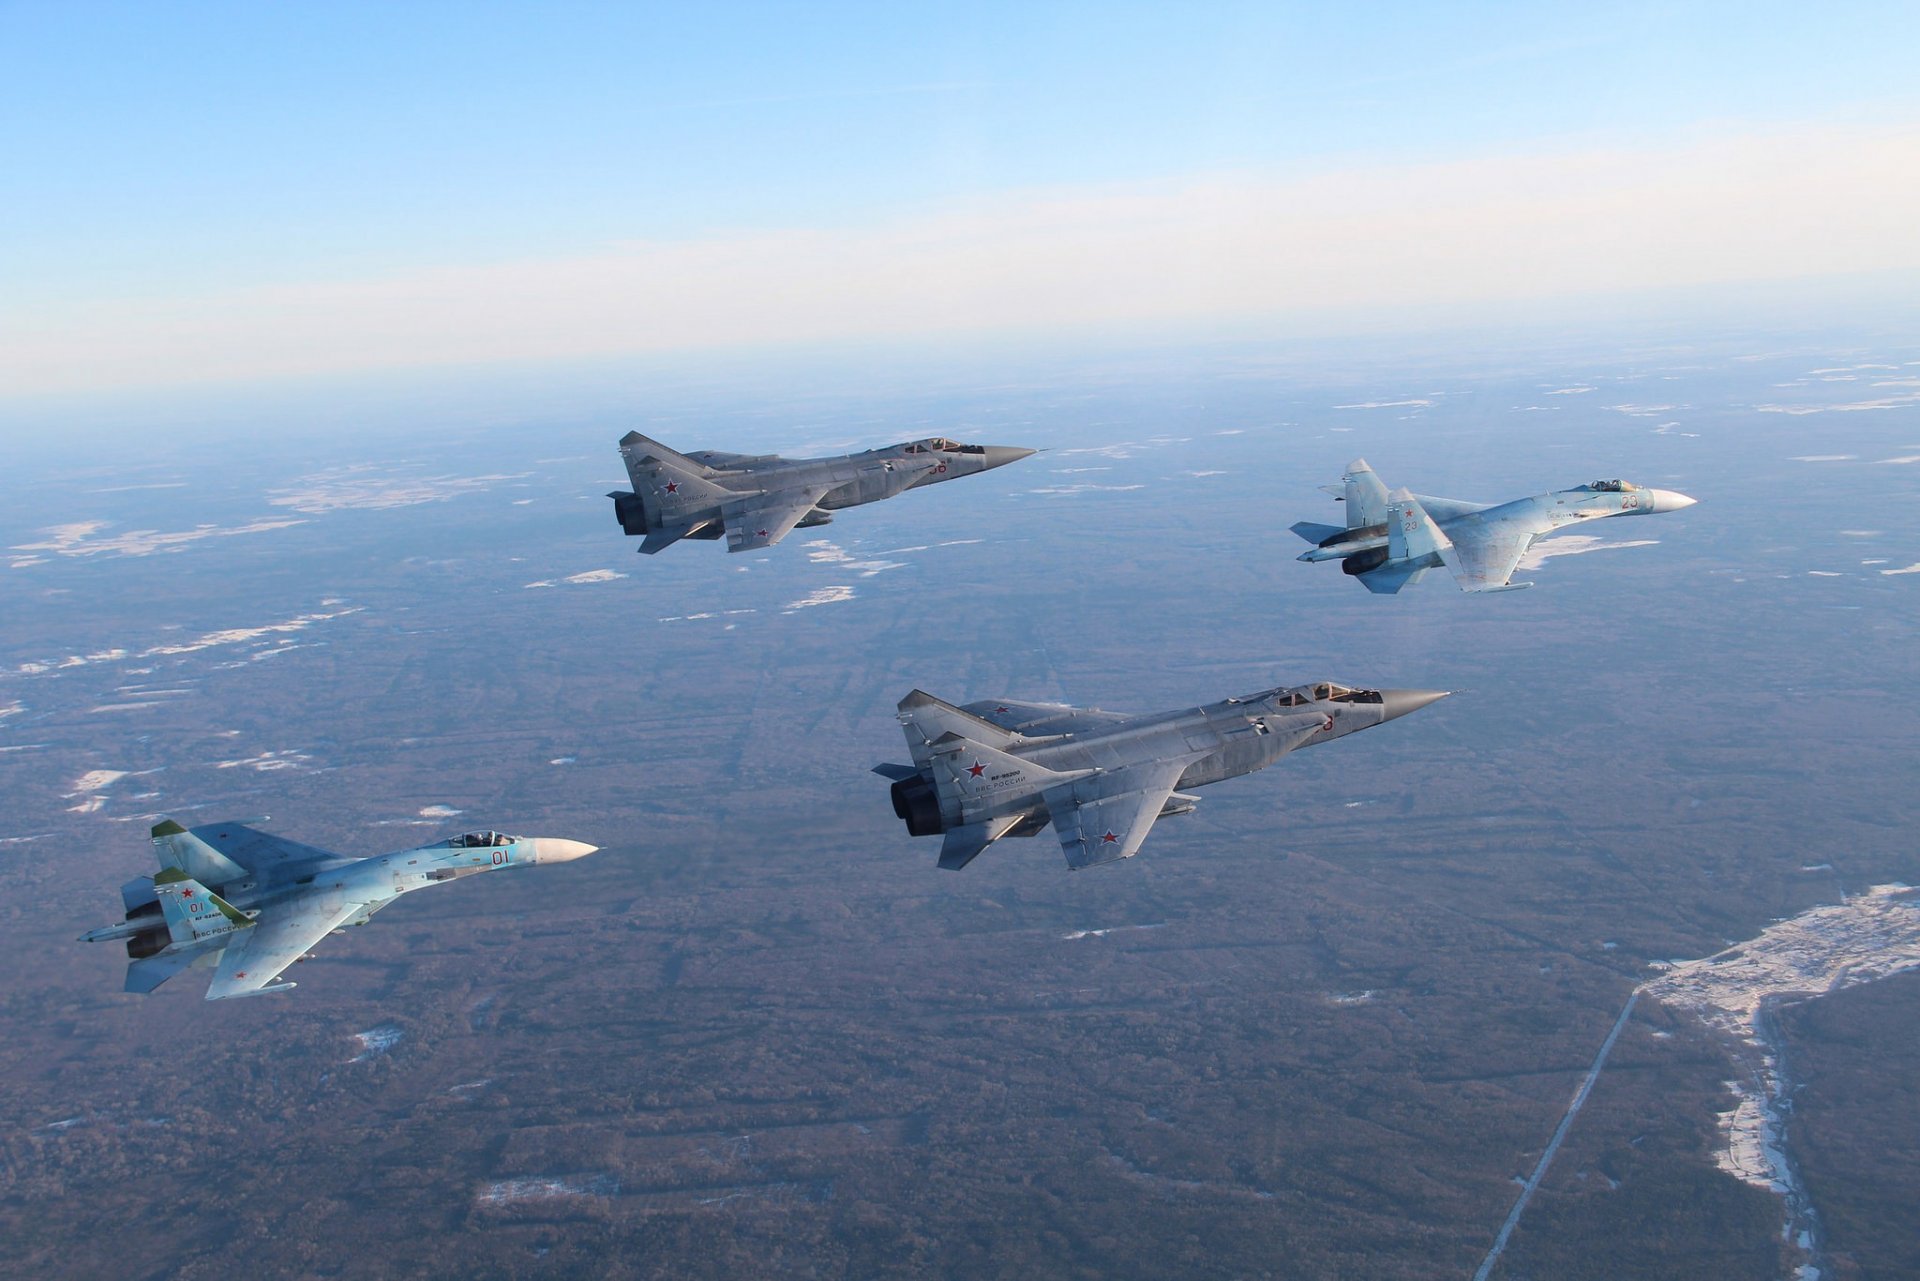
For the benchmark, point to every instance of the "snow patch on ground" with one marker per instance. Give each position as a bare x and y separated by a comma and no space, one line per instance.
376,1041
267,762
590,576
547,1187
82,538
824,551
1388,404
364,487
440,811
1823,949
821,596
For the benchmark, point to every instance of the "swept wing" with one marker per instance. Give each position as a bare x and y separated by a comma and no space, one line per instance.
258,851
762,520
1106,817
259,956
1487,554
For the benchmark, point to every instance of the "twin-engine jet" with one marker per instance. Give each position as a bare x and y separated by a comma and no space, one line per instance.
756,500
250,904
1392,540
994,769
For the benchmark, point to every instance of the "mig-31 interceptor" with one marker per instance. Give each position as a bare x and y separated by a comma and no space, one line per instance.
756,500
1392,540
1006,768
250,904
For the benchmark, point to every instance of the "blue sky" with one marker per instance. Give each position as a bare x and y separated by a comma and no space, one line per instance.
173,155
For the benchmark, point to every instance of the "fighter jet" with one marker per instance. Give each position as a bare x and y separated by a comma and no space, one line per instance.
250,904
1006,768
1392,540
755,500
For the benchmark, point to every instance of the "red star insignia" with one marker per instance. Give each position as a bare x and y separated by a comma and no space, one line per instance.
1003,709
186,893
759,533
673,487
976,769
1110,839
242,974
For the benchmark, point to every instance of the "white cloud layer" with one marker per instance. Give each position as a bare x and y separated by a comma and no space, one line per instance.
1721,208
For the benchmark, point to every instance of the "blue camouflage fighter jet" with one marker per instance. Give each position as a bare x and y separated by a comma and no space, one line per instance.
250,904
1391,540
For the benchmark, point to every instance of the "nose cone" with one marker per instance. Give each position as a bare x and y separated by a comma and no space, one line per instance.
552,849
1001,455
1666,500
1398,702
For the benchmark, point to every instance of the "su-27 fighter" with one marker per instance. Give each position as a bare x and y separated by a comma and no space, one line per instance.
1392,540
250,904
756,500
994,769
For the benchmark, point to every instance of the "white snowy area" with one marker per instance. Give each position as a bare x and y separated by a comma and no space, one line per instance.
548,1187
590,576
376,1041
88,538
1824,949
366,488
820,596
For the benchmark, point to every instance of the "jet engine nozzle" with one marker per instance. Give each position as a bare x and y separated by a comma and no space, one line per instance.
917,805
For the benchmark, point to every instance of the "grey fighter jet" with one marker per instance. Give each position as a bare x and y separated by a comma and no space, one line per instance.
994,769
250,904
755,500
1392,540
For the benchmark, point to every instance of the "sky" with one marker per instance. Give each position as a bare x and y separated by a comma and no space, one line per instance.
207,195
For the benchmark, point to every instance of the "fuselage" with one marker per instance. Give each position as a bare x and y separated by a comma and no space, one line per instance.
372,882
1540,515
1237,736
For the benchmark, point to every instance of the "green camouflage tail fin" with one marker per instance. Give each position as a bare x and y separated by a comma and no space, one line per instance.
182,851
194,912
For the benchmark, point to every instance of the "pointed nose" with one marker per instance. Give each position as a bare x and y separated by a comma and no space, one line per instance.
1398,702
1666,500
552,849
1001,455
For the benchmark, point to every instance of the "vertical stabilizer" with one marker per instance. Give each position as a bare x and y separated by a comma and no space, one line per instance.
1366,496
976,782
1412,535
927,719
195,913
181,851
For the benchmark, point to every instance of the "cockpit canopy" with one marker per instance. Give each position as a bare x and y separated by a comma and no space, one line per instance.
1323,692
480,840
1612,486
941,445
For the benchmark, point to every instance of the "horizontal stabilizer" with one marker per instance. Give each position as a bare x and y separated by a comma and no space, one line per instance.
1389,579
659,540
149,972
898,773
1316,533
961,845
